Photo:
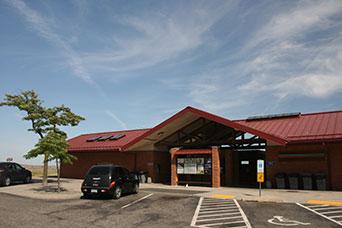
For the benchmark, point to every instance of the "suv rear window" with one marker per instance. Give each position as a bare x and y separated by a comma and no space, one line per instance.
100,170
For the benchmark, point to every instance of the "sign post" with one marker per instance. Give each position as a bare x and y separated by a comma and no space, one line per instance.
260,173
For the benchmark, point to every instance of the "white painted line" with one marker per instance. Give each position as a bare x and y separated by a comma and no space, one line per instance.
219,211
222,223
218,215
136,201
330,212
217,208
248,225
316,206
193,222
211,219
215,205
209,207
328,208
222,203
336,216
238,226
324,216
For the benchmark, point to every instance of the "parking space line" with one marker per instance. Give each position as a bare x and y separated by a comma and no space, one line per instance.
318,206
217,208
331,212
324,214
224,223
194,218
243,214
136,201
215,215
328,208
221,212
215,219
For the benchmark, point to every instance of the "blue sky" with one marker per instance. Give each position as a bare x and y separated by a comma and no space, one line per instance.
131,64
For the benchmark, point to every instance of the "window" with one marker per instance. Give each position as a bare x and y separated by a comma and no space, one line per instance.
99,170
18,167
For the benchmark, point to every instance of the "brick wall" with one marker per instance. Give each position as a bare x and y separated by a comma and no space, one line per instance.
157,164
86,159
215,167
335,165
329,164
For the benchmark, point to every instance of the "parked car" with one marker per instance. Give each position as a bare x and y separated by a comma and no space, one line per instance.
109,180
11,172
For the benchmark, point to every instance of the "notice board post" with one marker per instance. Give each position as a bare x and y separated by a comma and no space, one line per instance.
260,173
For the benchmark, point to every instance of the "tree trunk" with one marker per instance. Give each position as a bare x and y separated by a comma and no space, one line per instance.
45,170
58,175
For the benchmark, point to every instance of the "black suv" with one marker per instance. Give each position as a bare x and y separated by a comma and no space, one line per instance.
11,172
109,180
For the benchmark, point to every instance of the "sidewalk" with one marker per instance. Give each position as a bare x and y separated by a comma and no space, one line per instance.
71,190
267,195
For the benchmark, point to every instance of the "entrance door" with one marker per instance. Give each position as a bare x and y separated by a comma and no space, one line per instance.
248,167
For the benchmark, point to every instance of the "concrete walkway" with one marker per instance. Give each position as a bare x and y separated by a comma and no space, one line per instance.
71,190
267,195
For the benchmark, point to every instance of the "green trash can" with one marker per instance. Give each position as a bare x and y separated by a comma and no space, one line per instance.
280,180
306,181
293,180
321,181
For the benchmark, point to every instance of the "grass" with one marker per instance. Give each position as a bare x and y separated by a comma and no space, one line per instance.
37,170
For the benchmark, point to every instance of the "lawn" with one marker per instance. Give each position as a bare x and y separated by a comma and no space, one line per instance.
37,170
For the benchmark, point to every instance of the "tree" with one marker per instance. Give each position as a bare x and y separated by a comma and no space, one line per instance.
57,146
43,120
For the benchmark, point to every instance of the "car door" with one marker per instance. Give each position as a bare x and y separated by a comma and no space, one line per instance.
12,173
124,174
20,171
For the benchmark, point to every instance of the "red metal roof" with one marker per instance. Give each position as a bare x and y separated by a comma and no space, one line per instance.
80,143
311,127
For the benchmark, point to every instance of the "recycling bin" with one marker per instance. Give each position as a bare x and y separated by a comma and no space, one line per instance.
321,181
280,180
306,181
293,180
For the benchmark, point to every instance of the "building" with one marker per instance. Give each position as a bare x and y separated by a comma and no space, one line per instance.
200,148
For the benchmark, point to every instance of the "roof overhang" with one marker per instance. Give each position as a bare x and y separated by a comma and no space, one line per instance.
186,116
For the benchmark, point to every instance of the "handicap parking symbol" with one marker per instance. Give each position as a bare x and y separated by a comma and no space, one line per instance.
281,221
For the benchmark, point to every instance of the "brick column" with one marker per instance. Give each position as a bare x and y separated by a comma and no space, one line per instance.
174,177
215,172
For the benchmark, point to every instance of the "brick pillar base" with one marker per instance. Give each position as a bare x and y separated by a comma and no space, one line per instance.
215,172
174,177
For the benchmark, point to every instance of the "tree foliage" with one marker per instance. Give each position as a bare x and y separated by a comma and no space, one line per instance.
47,123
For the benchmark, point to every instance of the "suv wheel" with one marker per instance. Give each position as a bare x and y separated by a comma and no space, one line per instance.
135,188
117,192
7,181
28,179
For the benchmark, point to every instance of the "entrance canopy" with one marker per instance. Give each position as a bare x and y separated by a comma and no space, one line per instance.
194,128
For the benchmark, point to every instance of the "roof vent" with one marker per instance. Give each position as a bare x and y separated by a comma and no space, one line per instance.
274,116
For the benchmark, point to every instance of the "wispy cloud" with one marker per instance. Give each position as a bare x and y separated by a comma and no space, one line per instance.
158,37
44,29
296,53
119,121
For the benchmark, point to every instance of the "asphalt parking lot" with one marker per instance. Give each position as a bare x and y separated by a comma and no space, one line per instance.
153,209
